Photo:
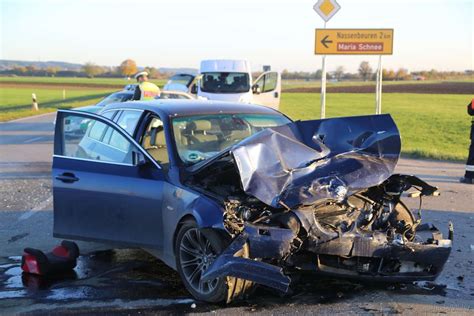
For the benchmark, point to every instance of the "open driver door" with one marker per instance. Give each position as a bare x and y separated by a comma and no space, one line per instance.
267,89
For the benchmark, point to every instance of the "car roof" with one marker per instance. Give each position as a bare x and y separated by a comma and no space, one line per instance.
179,107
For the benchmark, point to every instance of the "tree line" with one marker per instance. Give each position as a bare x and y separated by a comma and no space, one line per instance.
129,67
365,72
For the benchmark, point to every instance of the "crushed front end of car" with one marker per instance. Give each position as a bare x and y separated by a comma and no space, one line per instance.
321,196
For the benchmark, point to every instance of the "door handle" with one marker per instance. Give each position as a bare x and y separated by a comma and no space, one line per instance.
67,177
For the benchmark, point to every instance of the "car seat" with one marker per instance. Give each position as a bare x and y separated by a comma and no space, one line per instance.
61,259
154,142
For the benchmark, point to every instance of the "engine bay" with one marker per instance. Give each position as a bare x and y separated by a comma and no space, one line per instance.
291,205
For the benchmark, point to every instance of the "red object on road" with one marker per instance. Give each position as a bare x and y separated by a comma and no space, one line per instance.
62,258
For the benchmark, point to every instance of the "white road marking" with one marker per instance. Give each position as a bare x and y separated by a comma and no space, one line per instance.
32,139
39,207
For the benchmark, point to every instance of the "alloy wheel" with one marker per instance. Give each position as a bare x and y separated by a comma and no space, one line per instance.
196,255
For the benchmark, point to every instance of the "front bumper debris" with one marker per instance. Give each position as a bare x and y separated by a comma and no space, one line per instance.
257,271
320,196
360,257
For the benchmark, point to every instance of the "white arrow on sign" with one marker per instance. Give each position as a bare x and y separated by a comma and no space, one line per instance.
326,9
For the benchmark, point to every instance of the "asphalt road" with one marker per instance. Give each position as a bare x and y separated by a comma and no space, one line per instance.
125,281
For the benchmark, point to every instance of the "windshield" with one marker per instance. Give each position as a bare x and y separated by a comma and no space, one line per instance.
201,137
225,82
181,79
115,97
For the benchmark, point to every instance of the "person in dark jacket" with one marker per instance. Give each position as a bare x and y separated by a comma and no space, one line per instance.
469,175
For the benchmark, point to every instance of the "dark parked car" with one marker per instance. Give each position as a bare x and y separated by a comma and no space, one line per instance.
234,195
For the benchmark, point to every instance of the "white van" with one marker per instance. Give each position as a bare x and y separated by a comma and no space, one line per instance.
230,80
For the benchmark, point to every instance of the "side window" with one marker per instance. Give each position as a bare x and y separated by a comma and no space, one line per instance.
87,138
270,82
118,141
128,120
96,129
109,114
154,141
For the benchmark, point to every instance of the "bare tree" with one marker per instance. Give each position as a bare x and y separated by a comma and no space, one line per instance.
52,70
339,73
153,73
92,69
401,74
365,71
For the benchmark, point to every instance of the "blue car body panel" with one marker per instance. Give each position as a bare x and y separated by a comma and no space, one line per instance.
143,203
132,205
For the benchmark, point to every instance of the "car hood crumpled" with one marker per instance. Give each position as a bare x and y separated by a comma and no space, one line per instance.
307,162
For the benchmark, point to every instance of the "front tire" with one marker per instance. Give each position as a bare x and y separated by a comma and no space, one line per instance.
195,250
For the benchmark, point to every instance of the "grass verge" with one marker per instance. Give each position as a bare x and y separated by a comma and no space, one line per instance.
431,125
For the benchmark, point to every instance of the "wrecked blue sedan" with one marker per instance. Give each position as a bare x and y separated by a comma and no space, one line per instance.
233,195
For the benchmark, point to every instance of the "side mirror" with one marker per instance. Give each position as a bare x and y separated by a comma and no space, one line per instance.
256,89
138,159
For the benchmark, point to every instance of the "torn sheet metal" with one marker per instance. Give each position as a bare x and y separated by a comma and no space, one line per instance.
306,162
257,271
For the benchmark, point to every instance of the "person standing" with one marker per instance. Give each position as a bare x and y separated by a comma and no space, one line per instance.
469,175
145,90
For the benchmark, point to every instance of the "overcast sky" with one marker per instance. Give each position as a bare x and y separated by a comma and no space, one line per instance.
179,33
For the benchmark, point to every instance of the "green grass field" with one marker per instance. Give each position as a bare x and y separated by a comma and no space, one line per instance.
286,84
432,125
16,102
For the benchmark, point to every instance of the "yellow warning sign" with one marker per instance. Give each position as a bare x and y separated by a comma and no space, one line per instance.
354,42
326,8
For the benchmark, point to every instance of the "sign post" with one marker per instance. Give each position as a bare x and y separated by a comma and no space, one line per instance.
378,88
356,42
326,10
323,86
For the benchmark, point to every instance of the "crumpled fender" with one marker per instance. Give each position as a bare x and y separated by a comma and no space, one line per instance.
259,272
